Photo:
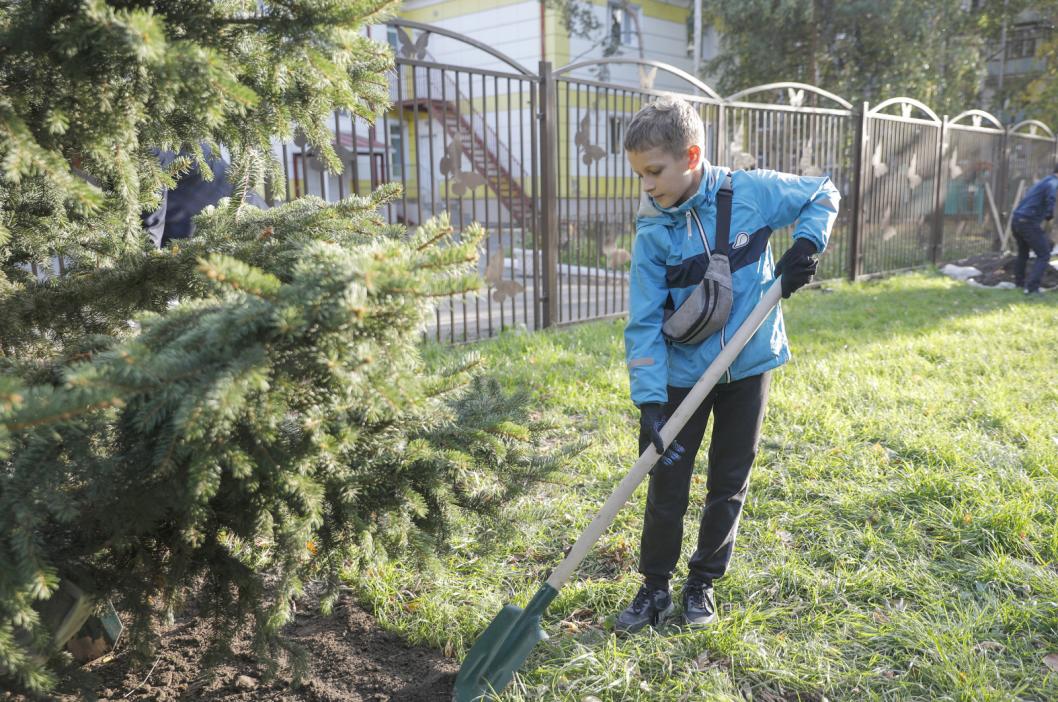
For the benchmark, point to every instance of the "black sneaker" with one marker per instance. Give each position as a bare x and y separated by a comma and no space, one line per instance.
699,609
649,606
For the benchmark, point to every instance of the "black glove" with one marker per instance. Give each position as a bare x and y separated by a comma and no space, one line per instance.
651,419
797,266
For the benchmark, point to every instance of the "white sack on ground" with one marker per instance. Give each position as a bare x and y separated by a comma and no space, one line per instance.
960,272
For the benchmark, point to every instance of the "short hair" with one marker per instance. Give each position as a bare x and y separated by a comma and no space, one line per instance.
669,123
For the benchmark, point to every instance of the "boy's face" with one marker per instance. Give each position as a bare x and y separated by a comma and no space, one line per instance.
667,178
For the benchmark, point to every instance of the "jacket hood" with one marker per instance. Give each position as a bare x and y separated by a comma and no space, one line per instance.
712,178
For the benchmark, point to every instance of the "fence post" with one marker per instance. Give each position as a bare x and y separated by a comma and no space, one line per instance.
856,235
1002,174
549,195
939,198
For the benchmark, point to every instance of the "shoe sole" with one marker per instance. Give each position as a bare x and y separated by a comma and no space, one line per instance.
699,624
662,617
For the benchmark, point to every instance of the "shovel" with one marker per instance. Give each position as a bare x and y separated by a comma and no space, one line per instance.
502,648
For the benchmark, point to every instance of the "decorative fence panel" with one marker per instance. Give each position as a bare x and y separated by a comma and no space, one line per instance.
794,133
898,184
537,159
971,184
1029,154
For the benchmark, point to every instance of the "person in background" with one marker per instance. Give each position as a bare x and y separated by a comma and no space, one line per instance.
1027,226
173,219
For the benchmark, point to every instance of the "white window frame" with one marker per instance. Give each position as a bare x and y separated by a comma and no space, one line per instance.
629,37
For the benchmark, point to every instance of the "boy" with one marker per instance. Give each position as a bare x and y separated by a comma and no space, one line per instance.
1027,227
664,146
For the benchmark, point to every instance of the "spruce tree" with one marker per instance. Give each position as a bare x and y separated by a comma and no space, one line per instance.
267,418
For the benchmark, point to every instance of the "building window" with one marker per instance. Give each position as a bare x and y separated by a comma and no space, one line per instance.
623,23
396,151
1021,43
391,39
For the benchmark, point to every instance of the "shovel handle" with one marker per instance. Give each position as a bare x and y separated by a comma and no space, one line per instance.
672,427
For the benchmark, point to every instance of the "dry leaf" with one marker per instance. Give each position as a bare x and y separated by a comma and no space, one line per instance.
494,269
913,178
506,289
592,153
646,77
743,161
899,605
704,662
581,138
617,257
879,167
1051,661
472,179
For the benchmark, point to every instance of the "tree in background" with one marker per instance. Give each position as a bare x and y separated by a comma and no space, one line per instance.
1039,99
580,20
934,51
267,418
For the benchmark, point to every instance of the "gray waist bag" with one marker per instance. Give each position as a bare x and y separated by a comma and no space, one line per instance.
706,310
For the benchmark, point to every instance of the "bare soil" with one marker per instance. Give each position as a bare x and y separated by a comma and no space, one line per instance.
352,660
996,268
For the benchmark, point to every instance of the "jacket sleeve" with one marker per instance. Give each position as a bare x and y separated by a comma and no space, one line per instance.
810,201
645,349
1049,197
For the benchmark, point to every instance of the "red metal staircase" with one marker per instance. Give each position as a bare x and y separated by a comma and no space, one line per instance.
489,156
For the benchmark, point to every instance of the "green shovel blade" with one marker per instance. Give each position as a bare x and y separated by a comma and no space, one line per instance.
502,648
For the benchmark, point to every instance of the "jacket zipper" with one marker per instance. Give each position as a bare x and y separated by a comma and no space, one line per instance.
723,333
705,244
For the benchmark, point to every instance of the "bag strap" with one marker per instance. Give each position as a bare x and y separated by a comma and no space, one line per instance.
723,215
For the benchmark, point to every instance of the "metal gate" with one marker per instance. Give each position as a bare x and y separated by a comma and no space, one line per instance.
461,140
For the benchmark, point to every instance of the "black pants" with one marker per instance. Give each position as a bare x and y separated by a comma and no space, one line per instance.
1030,235
738,411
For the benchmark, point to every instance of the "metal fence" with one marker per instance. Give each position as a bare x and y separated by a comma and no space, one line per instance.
536,158
596,192
795,128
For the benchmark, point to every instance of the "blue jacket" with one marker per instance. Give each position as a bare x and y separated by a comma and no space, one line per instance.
1038,203
668,259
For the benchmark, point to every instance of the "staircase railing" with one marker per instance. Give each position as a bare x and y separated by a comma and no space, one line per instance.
440,85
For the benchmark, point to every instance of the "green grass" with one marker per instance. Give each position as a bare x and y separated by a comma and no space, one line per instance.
899,542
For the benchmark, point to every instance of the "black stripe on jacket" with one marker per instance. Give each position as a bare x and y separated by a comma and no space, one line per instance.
691,271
